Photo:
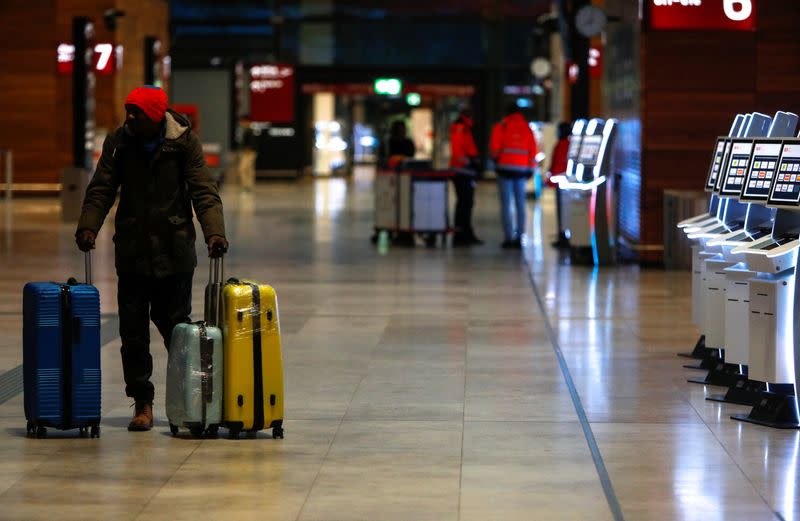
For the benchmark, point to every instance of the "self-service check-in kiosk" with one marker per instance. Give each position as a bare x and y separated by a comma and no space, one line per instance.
751,167
723,218
700,350
731,217
723,269
748,271
575,138
774,347
587,196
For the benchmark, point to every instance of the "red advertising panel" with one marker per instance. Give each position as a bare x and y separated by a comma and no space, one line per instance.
272,93
726,15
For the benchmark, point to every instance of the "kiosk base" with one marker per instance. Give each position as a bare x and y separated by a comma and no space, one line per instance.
710,361
700,350
744,392
581,255
722,374
777,408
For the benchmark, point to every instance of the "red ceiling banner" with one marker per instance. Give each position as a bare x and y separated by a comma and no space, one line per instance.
272,93
725,15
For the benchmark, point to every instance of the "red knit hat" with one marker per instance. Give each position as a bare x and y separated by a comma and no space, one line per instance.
152,100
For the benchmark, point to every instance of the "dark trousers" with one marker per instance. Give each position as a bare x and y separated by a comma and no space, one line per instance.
167,302
465,200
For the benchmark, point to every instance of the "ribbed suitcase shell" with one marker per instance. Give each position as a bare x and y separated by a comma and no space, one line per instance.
252,346
185,370
61,375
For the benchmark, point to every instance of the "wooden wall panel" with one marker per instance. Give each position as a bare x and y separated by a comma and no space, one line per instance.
682,121
675,61
144,18
27,73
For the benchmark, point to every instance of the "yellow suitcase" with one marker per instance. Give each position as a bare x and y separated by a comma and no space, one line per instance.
253,385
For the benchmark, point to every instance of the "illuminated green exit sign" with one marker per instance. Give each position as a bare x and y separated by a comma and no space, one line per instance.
388,86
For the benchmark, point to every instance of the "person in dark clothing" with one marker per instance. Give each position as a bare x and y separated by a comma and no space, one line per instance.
464,163
558,166
399,146
157,163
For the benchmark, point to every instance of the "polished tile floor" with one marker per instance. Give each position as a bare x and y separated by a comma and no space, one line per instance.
420,385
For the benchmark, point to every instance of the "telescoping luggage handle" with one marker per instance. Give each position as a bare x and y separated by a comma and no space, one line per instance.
212,309
87,262
88,266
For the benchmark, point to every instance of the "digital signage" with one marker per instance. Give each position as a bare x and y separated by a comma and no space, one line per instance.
786,185
692,15
761,170
737,168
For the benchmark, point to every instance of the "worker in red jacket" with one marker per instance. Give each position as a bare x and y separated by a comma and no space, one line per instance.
464,163
513,149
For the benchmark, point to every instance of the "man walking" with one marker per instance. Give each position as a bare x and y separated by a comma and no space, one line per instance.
464,162
513,148
157,163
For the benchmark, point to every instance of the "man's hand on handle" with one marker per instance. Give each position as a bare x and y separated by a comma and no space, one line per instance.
217,246
85,240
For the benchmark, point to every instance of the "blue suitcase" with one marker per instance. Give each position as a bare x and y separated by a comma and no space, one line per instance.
61,356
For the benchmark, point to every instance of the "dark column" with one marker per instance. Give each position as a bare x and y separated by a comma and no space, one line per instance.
579,53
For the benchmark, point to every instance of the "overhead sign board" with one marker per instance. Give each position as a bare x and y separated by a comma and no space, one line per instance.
693,15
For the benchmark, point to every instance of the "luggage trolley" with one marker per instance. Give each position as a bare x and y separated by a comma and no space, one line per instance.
413,199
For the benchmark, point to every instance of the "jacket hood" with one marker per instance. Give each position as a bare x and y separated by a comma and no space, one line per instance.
177,125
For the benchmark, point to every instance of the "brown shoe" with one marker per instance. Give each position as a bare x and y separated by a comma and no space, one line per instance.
142,418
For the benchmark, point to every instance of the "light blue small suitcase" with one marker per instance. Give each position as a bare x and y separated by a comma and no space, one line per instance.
194,370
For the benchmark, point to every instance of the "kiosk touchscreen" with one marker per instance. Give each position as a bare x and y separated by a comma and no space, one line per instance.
738,163
590,147
785,191
721,148
762,169
575,141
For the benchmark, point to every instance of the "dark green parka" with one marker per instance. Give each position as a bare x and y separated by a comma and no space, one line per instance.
154,234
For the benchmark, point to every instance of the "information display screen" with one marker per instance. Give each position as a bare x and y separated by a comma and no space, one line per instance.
723,165
738,164
716,163
590,148
574,147
761,172
786,185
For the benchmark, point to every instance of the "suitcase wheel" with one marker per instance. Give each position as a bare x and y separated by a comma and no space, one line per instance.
83,432
233,433
212,432
277,433
197,432
95,431
41,432
31,429
173,429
